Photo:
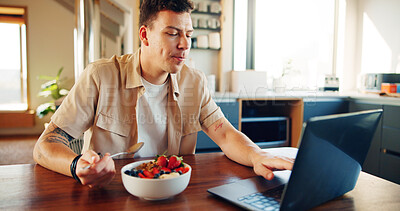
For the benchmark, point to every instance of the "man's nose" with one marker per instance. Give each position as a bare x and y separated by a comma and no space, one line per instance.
184,42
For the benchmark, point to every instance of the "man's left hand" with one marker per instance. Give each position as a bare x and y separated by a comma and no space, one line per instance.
265,163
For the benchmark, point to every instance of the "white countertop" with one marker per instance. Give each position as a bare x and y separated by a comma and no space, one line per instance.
308,96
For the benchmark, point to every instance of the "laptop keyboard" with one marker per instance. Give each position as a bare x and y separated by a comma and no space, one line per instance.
268,200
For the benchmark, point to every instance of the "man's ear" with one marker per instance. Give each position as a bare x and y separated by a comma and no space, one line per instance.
143,35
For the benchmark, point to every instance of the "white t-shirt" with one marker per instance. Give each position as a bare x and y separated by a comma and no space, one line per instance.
151,115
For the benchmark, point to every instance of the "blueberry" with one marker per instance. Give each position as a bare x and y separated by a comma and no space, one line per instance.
127,172
134,173
156,176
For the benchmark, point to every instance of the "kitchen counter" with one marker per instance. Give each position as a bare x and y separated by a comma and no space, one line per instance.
308,96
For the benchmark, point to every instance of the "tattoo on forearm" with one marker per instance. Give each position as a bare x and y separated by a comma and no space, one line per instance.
57,135
218,126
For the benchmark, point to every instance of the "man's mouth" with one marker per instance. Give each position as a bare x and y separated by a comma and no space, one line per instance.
179,58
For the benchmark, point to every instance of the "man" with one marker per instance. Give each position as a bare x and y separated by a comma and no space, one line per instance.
151,97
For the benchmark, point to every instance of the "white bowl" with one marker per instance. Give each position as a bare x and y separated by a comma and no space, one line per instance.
154,189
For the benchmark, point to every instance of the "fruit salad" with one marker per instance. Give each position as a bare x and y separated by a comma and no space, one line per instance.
162,167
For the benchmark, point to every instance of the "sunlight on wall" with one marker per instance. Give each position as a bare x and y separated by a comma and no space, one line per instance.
376,53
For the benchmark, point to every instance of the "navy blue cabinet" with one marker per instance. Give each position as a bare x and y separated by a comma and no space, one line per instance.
324,106
390,146
383,158
231,111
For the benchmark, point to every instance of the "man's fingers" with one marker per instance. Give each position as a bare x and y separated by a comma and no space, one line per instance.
100,173
281,163
101,178
267,165
89,154
284,164
263,171
88,158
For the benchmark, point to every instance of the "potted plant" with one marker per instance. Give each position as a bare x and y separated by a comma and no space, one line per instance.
51,88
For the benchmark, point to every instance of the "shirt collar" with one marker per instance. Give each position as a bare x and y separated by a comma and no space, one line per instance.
174,85
134,76
134,73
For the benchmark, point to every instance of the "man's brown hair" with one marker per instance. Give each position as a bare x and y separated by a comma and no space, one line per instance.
150,8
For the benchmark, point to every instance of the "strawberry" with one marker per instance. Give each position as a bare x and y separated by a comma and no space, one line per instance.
179,170
186,169
148,174
155,171
162,161
165,169
174,162
141,175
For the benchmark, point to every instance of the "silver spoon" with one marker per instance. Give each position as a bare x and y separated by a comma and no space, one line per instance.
133,149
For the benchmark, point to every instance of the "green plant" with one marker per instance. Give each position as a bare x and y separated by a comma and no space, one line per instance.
50,88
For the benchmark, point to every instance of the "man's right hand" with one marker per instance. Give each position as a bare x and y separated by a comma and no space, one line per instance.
101,171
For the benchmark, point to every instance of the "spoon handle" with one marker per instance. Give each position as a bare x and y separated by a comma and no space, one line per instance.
86,167
117,154
133,149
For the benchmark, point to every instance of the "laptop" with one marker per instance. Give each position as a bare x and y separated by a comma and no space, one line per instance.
331,152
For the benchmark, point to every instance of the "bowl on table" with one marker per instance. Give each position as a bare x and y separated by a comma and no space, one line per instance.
154,189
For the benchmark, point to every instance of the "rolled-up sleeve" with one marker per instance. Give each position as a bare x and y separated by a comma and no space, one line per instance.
210,112
77,111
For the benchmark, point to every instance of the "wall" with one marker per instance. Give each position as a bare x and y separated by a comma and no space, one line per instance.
372,39
379,35
50,46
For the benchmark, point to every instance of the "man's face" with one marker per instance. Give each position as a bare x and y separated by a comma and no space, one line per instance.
169,40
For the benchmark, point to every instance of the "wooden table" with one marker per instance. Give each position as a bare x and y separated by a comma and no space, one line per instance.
32,187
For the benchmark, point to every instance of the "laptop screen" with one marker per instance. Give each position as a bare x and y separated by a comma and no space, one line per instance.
331,153
328,162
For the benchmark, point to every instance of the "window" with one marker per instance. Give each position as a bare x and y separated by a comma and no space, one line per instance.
294,39
13,80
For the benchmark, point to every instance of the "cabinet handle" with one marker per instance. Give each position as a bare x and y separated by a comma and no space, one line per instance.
390,152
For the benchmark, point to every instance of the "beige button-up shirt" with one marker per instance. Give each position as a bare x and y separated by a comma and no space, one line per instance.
103,103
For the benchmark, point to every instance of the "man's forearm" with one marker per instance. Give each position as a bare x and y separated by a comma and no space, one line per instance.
236,145
241,148
52,150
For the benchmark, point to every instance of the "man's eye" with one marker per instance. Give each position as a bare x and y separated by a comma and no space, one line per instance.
173,34
189,35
